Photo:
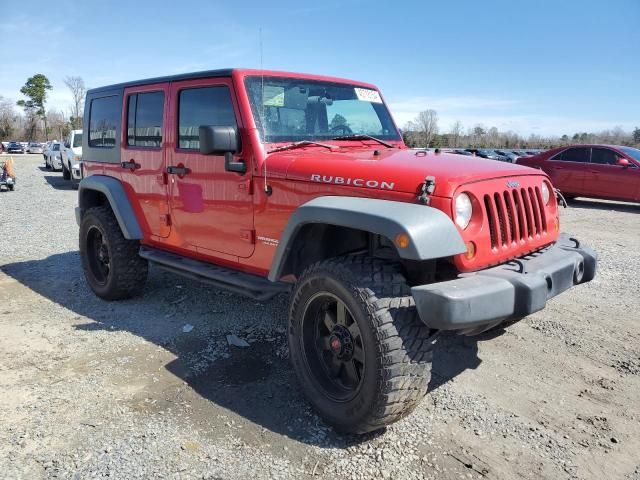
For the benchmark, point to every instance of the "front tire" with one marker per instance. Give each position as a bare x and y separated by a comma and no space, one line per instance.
361,354
66,173
111,263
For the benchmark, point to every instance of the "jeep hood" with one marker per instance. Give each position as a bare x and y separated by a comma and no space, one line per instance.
401,170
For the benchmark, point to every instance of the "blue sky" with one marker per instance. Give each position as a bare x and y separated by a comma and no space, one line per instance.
540,66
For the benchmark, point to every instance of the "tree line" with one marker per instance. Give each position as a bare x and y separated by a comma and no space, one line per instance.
36,122
423,131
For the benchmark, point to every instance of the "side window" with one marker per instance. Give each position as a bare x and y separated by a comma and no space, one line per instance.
103,121
202,106
144,119
579,154
604,156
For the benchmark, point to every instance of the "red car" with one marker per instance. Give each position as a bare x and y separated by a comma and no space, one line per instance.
270,182
611,172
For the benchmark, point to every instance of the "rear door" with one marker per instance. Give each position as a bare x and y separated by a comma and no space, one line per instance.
211,208
143,156
568,169
607,179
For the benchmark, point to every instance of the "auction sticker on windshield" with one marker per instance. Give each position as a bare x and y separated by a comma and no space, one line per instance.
367,95
273,96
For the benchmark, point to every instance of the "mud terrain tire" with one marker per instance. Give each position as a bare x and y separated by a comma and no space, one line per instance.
394,345
111,263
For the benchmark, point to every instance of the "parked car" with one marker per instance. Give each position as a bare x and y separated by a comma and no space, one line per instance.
460,151
34,147
15,147
72,157
511,155
53,157
600,171
486,153
379,251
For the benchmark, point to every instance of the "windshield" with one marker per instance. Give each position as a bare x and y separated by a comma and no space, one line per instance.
56,147
77,140
632,152
293,109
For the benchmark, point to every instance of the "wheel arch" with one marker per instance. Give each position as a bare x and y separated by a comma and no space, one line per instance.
99,190
331,226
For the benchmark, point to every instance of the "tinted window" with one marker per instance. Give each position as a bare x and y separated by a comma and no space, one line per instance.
103,121
202,106
604,156
77,140
574,155
144,119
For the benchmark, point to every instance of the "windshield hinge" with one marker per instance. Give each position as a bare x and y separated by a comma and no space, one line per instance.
427,188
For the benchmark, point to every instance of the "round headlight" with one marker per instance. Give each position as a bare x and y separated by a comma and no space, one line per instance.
545,193
463,210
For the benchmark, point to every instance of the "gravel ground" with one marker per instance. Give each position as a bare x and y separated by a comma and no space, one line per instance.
150,388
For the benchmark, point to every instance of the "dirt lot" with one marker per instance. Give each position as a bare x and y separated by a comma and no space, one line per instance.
150,388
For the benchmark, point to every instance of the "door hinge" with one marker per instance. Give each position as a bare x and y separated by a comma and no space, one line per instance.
248,236
165,219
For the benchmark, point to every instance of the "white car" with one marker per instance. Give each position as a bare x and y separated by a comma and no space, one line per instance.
34,147
52,157
72,157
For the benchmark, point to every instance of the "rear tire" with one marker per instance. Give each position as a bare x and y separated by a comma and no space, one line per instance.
371,368
111,263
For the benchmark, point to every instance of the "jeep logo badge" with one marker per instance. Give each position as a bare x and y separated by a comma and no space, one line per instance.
513,184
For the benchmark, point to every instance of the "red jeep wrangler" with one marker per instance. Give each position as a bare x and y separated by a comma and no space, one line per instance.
269,182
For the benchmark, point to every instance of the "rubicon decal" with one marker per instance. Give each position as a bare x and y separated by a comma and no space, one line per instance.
356,182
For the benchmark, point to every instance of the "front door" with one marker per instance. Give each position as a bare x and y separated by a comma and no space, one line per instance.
143,156
211,208
608,179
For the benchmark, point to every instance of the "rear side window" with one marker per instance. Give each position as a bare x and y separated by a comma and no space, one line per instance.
144,119
202,106
103,121
580,154
604,156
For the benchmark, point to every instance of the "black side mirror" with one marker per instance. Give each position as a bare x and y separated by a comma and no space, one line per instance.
223,140
218,139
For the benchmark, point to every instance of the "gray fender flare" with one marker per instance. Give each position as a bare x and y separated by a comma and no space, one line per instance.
113,190
431,232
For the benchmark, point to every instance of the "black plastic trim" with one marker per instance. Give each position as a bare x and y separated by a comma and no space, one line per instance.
253,286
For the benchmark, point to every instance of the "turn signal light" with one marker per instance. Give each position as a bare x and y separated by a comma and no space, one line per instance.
402,240
556,224
471,250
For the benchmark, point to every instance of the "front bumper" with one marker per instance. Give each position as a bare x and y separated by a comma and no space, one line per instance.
479,300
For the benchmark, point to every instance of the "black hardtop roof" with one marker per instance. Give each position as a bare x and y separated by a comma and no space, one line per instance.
169,78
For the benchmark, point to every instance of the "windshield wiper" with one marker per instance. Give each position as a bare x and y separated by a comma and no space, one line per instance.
362,136
303,143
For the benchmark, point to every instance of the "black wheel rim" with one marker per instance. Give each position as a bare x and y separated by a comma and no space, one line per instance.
98,255
332,347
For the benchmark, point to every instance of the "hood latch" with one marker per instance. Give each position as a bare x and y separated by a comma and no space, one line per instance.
427,188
